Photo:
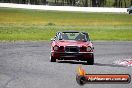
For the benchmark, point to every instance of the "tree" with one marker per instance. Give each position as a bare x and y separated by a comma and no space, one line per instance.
94,3
115,3
100,3
125,2
44,2
56,1
86,3
74,2
120,3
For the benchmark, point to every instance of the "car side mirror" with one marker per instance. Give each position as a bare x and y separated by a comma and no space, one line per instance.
52,39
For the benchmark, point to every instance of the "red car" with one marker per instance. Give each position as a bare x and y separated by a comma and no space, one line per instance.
72,45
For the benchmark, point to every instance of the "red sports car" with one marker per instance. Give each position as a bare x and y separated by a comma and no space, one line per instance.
72,45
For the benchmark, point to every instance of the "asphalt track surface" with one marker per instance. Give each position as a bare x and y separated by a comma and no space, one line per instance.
27,65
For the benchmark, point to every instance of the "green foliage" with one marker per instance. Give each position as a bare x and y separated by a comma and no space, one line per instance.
50,24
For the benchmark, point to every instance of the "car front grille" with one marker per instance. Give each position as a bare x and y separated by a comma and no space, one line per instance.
71,49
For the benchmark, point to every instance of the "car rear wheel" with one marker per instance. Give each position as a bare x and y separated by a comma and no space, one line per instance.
52,59
90,61
130,12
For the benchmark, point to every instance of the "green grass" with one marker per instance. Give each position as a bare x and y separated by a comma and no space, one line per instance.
19,24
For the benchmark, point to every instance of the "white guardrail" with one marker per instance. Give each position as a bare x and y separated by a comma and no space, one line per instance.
65,8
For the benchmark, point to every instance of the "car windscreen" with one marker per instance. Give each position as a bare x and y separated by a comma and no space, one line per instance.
74,36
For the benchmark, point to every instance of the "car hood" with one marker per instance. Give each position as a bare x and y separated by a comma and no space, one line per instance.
72,43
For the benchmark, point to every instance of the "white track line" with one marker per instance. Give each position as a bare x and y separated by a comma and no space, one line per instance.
65,8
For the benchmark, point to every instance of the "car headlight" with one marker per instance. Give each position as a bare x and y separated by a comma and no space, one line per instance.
89,48
56,48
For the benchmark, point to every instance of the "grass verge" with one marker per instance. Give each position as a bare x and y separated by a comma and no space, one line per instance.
19,24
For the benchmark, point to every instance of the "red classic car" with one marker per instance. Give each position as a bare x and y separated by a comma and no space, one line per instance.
72,45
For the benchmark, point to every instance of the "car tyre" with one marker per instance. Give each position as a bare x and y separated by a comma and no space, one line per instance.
90,61
130,12
52,59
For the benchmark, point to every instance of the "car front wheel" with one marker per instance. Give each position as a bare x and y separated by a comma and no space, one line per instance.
90,61
52,59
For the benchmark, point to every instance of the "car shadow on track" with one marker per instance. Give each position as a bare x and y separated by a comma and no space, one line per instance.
109,65
73,62
85,63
